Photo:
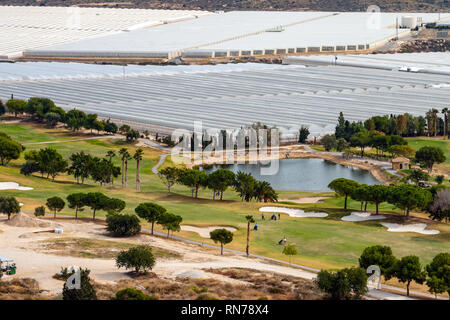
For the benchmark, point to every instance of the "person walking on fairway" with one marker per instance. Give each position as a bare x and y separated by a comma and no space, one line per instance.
262,216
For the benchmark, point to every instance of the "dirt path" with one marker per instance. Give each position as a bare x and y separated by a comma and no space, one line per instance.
24,247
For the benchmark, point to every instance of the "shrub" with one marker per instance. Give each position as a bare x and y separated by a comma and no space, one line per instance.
86,290
132,294
123,225
137,258
344,284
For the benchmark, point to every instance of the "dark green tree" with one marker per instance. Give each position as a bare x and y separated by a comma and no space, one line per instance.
9,206
343,187
169,176
409,197
378,255
96,201
329,142
76,201
406,270
9,150
303,134
123,225
438,272
223,236
15,106
150,212
55,204
86,290
39,211
139,258
428,156
170,222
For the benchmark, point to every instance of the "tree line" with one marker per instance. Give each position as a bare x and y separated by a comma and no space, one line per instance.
434,200
49,163
405,125
44,110
385,133
352,282
218,182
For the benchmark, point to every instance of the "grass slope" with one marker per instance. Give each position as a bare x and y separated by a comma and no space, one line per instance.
322,243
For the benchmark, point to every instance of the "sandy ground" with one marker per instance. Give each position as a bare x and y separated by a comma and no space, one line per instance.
204,231
414,227
12,186
296,213
23,248
362,216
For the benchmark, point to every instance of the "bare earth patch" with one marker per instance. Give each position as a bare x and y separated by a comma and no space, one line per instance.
93,248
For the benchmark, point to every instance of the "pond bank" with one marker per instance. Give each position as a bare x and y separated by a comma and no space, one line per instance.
299,152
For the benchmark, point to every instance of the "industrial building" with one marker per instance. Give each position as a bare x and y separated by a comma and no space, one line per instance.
49,33
23,28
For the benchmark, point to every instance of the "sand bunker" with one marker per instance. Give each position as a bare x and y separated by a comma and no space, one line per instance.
204,231
362,216
415,227
297,213
12,186
306,199
24,221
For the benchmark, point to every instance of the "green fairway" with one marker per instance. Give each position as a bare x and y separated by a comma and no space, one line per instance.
321,242
417,143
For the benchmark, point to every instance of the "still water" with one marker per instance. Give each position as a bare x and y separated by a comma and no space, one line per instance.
305,174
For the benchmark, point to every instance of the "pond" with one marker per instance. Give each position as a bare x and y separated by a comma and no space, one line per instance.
305,174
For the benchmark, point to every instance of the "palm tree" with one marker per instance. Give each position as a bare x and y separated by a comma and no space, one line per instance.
264,191
445,112
249,219
125,156
429,117
435,113
138,157
128,157
111,154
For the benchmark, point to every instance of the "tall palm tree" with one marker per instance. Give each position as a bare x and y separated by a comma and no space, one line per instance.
445,112
125,156
128,157
249,219
138,157
435,121
429,117
111,154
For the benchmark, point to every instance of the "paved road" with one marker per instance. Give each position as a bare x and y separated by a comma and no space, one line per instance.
304,272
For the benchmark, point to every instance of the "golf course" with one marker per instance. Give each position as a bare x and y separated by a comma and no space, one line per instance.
327,243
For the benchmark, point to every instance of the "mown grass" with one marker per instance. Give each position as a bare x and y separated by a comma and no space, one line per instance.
322,243
417,143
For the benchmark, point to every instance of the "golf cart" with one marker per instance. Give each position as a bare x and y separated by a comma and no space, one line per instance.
7,266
